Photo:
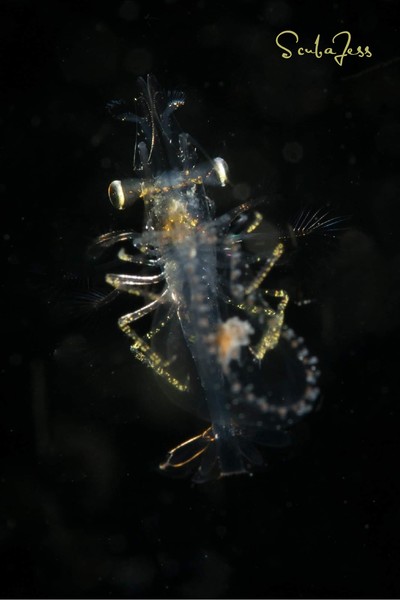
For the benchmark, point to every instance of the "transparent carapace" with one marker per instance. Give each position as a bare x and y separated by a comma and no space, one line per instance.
219,336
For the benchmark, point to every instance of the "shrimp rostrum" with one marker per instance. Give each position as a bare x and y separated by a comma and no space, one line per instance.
218,336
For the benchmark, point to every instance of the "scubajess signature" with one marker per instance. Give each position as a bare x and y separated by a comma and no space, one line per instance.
289,42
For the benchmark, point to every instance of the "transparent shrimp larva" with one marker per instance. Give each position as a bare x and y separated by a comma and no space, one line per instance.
219,336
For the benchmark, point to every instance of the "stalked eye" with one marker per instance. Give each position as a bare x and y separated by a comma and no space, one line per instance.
221,169
123,194
116,194
217,175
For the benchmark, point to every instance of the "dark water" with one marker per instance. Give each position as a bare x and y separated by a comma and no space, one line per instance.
84,511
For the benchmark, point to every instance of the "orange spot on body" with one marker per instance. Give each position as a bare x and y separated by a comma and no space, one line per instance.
230,337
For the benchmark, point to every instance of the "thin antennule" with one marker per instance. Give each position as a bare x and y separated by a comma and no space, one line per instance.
151,110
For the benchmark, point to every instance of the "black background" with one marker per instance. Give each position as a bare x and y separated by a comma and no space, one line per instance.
84,511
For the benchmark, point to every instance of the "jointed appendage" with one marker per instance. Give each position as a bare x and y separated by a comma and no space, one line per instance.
135,285
141,348
247,298
272,333
189,450
274,317
257,281
136,259
126,282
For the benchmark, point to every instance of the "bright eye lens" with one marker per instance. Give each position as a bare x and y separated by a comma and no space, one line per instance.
123,194
221,169
116,194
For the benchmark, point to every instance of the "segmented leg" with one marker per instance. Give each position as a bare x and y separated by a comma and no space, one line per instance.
274,317
141,348
225,220
126,282
155,330
137,260
274,321
188,451
259,278
113,237
273,329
